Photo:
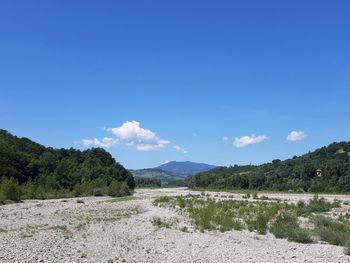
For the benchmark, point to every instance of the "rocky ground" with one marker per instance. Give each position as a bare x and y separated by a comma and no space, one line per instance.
94,229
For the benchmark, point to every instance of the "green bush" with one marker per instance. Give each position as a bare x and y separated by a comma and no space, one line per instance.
118,189
162,200
2,198
315,205
30,190
158,222
286,226
78,190
347,248
334,232
97,192
10,190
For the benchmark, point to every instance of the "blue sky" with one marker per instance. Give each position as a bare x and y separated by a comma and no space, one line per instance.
164,74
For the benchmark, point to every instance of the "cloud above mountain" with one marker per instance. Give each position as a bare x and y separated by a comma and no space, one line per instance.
244,141
296,136
180,149
131,134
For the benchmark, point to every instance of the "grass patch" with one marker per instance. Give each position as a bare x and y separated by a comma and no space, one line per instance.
121,199
158,222
184,229
162,200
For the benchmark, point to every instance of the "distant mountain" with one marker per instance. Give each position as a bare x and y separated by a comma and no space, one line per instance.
172,171
186,167
164,176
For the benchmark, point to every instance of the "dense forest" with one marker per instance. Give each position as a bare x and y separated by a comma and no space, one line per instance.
30,170
296,174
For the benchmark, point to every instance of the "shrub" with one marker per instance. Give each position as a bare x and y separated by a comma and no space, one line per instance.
258,215
286,226
78,190
118,189
158,222
347,248
97,192
2,197
334,232
162,200
11,190
184,229
316,205
246,196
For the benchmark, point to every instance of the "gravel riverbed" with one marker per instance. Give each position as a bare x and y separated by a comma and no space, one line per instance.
93,229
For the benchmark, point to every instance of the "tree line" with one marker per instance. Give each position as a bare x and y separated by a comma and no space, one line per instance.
30,170
297,174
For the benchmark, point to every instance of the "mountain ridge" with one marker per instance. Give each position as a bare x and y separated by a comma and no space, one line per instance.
172,171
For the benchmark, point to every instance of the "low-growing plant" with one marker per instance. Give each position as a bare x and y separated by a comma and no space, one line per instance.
315,205
158,222
97,192
280,218
246,196
334,232
184,229
260,215
162,200
121,199
347,248
2,198
118,189
286,226
10,190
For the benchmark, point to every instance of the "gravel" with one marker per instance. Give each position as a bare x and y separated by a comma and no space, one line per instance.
93,229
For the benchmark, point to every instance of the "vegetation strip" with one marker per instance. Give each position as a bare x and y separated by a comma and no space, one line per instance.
279,218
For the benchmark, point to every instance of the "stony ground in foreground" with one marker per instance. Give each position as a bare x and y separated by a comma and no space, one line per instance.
96,230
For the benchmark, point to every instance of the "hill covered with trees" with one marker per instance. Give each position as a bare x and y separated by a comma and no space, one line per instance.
30,170
296,174
165,177
172,173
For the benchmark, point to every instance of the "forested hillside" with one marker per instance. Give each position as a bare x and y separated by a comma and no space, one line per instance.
296,174
165,177
30,170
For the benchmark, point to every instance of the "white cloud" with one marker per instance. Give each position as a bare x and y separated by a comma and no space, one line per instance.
225,139
180,149
296,136
87,142
247,140
131,134
104,143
